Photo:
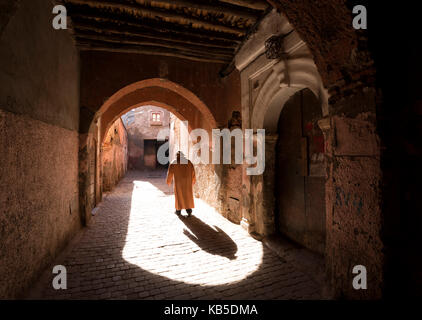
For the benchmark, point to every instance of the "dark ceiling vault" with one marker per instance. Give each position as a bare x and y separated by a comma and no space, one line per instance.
199,30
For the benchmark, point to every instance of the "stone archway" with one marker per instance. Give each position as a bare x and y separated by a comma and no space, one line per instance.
300,173
159,92
270,83
263,187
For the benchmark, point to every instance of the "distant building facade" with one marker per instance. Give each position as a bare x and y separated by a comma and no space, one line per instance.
143,125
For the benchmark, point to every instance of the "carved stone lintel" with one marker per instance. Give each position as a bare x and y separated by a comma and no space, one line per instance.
273,47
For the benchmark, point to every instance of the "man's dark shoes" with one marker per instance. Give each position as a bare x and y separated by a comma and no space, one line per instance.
178,212
189,212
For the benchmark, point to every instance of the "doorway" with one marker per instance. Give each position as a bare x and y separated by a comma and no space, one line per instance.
300,172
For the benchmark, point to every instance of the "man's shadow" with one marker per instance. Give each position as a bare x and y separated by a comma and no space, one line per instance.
214,241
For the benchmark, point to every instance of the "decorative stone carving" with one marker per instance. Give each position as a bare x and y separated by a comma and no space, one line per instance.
274,47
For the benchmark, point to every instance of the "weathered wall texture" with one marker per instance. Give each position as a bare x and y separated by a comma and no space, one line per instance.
326,27
140,128
340,60
39,88
353,198
232,192
89,176
114,155
39,80
209,185
38,197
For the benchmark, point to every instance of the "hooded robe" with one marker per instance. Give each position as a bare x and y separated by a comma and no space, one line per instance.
184,179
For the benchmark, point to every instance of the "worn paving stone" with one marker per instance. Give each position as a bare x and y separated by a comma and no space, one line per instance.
137,248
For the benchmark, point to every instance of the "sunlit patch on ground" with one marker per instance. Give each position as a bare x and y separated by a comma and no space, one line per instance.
178,247
137,248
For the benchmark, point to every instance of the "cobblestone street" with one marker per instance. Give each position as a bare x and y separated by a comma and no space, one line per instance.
137,248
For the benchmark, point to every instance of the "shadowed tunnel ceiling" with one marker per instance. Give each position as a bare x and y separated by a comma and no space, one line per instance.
199,30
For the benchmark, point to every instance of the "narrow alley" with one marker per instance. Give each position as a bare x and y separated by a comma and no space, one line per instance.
136,247
301,119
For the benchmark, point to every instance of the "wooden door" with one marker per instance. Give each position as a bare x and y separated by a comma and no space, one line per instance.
300,173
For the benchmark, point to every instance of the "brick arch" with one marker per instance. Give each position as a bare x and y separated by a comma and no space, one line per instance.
161,93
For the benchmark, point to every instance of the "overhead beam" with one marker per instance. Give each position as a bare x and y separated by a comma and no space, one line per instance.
148,51
174,17
83,25
148,43
251,4
221,8
82,30
155,26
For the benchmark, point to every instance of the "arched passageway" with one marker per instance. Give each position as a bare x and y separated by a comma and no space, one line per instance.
163,93
140,249
300,172
60,92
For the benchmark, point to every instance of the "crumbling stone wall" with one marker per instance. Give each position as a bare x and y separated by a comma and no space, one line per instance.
89,177
326,27
114,155
232,193
347,72
353,197
39,117
353,194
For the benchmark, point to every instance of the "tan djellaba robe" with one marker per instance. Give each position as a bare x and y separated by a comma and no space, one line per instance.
184,179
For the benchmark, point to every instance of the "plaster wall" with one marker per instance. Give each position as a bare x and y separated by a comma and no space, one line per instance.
114,155
39,120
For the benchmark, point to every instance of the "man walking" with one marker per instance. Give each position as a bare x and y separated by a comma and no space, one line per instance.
183,172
